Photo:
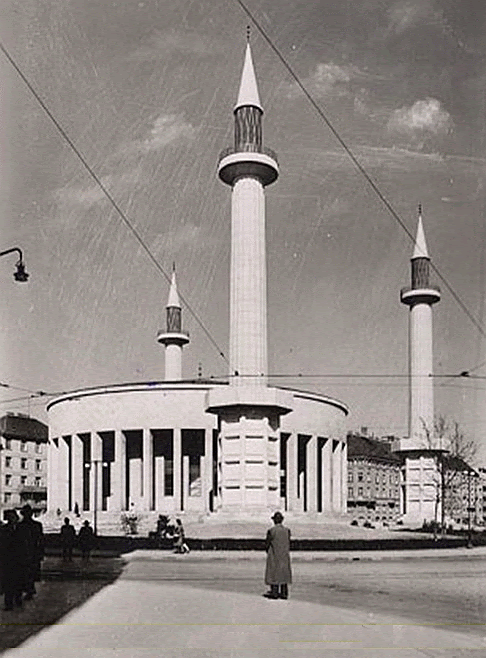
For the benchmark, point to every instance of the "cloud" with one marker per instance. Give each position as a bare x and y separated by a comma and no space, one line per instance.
327,79
420,121
161,44
408,13
90,195
167,128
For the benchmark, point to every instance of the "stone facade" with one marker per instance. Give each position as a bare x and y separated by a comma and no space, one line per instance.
23,462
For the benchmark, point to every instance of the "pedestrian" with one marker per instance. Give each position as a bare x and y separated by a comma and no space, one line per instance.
32,535
13,561
68,539
76,510
180,545
86,540
278,572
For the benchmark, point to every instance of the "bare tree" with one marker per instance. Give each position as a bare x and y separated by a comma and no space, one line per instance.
454,453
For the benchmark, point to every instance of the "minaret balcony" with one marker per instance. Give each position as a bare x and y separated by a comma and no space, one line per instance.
173,338
261,164
411,296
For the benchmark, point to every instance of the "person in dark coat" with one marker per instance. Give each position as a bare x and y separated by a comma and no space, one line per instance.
86,540
32,534
68,539
13,561
278,572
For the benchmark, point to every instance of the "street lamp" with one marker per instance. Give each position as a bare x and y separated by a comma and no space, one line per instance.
20,274
87,465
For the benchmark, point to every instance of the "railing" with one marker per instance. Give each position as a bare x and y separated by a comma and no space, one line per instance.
248,149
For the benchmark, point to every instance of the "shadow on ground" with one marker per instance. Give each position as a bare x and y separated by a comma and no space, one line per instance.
65,586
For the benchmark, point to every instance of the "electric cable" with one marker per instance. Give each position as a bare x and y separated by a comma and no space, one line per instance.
355,161
107,193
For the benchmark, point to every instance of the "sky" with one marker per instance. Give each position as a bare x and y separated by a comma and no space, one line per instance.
145,90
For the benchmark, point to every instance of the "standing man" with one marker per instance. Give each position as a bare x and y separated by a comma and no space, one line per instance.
32,534
12,561
86,540
68,539
278,572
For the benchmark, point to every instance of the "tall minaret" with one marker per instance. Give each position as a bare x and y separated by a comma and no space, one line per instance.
173,337
248,410
248,167
420,297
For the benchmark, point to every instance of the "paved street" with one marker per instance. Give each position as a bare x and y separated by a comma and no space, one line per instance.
178,606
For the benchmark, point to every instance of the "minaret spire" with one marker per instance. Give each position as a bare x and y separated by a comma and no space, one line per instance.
420,249
248,95
173,337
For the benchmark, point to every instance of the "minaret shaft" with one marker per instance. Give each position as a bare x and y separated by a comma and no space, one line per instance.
421,383
248,316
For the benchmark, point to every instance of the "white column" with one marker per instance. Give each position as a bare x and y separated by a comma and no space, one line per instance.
206,471
159,483
177,467
53,474
421,368
311,475
185,481
326,474
117,500
77,468
148,472
248,320
292,499
344,477
63,474
95,473
336,477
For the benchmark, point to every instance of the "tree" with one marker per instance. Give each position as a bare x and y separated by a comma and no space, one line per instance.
454,452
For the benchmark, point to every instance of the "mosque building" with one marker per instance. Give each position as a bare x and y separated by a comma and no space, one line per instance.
228,450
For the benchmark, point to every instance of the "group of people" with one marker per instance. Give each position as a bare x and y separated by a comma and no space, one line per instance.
69,539
21,555
174,532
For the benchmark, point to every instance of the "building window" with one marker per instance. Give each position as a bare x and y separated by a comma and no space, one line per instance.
23,479
350,492
360,491
23,463
360,476
37,482
8,461
350,476
23,445
37,464
8,480
7,497
8,444
377,479
38,447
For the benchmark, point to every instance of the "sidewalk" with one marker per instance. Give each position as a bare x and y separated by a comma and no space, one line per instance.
147,619
308,556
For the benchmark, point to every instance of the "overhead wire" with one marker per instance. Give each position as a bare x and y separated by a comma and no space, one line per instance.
374,186
107,193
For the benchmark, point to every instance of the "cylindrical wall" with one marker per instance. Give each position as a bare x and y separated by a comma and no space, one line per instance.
421,368
248,319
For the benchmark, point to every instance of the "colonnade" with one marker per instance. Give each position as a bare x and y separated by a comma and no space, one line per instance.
315,471
173,470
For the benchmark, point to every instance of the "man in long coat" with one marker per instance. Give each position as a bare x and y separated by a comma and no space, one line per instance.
32,534
278,572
